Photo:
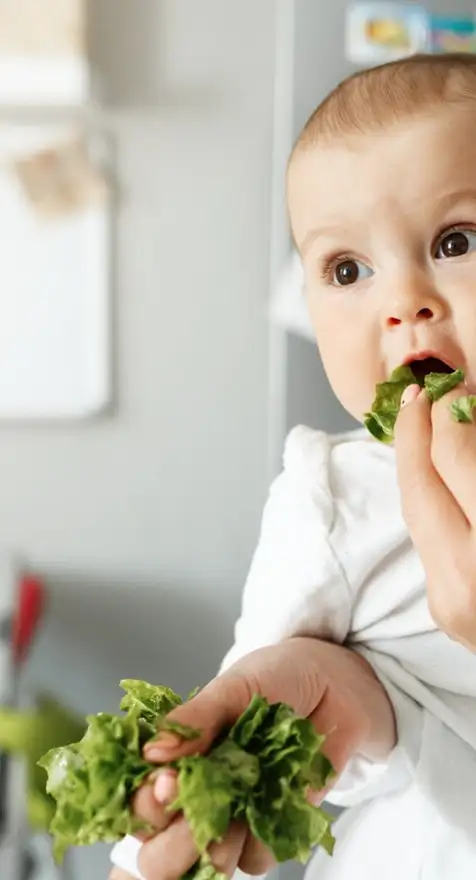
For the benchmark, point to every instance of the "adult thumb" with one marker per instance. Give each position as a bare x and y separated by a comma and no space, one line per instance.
214,708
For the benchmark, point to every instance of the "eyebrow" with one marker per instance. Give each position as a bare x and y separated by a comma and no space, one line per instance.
333,230
330,231
449,199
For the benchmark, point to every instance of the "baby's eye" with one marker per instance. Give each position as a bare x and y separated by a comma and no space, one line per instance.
456,244
348,272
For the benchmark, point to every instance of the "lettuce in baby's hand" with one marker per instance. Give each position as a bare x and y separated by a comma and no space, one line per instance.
258,772
380,421
93,780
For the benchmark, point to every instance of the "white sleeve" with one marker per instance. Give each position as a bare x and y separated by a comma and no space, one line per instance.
295,585
125,855
419,708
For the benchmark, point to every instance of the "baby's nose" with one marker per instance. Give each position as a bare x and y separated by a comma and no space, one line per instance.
402,316
414,301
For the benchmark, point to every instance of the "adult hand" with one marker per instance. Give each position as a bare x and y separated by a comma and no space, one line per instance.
436,460
331,685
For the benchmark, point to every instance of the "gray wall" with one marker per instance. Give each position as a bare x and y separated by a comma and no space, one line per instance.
319,64
143,523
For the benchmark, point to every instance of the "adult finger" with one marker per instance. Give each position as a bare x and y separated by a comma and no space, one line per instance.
428,504
454,452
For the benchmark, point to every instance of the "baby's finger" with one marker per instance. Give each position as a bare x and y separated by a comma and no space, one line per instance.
119,874
226,856
169,854
151,802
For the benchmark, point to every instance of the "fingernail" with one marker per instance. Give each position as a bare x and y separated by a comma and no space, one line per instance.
165,788
154,755
166,742
409,395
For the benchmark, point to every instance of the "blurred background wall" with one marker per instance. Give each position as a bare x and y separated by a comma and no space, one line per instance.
142,522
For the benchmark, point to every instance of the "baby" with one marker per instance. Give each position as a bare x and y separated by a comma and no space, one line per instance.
364,546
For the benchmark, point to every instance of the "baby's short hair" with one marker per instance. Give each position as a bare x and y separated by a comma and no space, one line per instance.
373,99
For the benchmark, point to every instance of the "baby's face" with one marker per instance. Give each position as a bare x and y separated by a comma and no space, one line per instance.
386,227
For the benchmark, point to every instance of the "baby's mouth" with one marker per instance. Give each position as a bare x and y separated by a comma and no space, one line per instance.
421,367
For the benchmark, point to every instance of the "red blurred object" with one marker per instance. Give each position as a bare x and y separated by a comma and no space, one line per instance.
30,604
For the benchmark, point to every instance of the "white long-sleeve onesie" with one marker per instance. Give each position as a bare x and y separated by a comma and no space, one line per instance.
335,561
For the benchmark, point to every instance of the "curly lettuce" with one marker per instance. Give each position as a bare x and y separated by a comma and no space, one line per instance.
259,772
380,421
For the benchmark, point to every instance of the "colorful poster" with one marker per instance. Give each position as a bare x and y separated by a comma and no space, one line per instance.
379,32
452,34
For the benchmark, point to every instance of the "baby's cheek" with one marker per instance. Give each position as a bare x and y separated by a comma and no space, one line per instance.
349,346
352,376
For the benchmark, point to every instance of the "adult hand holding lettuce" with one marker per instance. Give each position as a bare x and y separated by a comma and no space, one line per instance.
332,686
436,459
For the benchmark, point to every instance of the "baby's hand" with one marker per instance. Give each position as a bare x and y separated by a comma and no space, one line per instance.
171,852
436,459
329,684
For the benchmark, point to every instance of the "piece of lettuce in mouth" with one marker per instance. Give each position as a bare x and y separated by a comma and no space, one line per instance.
380,421
258,772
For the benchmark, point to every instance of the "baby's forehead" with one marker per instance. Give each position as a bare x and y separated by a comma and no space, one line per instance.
448,125
433,147
409,167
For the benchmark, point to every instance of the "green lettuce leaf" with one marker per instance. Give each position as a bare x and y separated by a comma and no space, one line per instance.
438,384
380,421
462,408
291,760
150,702
260,772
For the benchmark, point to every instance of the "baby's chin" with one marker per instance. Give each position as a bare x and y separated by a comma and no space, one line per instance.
357,410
